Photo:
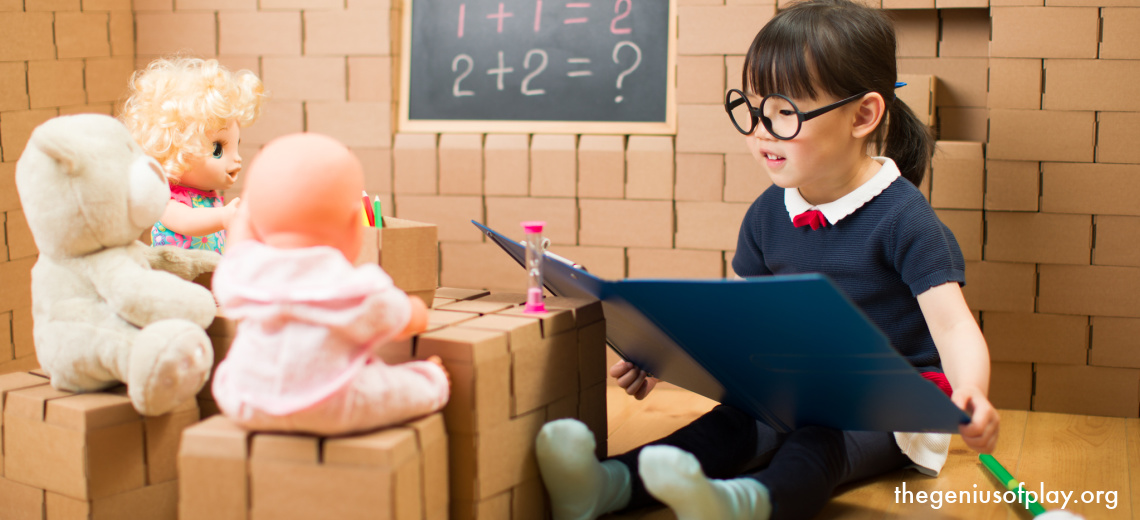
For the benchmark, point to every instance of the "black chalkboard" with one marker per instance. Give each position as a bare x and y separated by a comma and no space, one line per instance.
571,66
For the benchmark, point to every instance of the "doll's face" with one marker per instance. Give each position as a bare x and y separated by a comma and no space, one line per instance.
219,168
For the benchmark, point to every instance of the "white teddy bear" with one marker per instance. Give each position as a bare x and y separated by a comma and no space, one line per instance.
101,314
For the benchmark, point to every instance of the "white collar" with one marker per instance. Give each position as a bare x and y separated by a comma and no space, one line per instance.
836,210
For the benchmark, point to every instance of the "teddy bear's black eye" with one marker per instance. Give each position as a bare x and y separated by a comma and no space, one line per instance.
217,150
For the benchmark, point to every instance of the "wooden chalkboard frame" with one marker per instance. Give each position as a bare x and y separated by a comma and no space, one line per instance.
406,124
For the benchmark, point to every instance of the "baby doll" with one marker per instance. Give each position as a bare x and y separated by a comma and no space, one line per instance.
187,113
304,355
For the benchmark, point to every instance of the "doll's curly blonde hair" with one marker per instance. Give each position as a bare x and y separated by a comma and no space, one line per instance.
175,101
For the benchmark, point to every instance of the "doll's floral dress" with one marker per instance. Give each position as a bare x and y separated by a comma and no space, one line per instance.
195,198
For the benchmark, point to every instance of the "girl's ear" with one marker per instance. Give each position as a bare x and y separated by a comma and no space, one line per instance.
868,114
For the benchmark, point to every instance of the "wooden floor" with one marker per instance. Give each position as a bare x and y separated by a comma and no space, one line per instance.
1066,453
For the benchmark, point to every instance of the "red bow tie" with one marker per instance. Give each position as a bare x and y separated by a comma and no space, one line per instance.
811,217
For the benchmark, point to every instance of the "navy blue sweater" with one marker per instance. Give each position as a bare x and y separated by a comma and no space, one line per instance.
882,256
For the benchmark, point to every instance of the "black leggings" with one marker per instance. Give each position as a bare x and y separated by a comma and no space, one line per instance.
801,469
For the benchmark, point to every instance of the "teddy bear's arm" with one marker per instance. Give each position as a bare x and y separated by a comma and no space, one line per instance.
141,295
186,263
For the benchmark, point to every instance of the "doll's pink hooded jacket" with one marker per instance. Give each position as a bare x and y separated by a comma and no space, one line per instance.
308,324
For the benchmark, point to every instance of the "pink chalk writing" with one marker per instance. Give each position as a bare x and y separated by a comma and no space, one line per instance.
500,15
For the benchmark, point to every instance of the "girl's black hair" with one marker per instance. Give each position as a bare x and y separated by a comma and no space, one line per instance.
843,48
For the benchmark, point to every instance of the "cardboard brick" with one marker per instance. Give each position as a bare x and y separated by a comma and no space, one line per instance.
453,214
6,354
1099,189
1118,35
55,83
26,36
713,30
1044,32
121,28
1087,390
99,108
1038,237
107,79
480,306
700,177
1024,337
479,265
1017,3
707,129
553,322
957,175
13,86
461,164
649,167
916,32
560,214
354,124
1016,83
216,5
968,229
1012,185
415,161
544,372
709,225
159,33
506,164
919,95
158,502
734,75
1011,385
377,163
479,365
744,178
700,79
1000,286
592,368
553,166
632,223
301,4
82,35
1117,133
1117,241
1088,290
51,5
259,33
352,32
961,81
601,166
456,293
606,262
296,78
20,502
1091,85
408,251
369,78
20,241
965,32
22,339
278,118
494,460
908,4
674,263
963,124
212,469
1114,342
1041,135
16,278
8,383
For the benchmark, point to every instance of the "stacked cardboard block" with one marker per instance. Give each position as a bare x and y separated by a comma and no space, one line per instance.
512,372
85,456
397,473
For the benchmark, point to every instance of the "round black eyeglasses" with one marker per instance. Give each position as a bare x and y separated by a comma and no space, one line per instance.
779,114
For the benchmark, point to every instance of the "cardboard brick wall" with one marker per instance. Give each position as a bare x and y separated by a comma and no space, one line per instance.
1012,74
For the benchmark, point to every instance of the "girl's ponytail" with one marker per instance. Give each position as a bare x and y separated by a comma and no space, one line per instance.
909,142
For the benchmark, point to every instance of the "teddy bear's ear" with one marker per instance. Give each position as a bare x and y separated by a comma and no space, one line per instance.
55,149
148,191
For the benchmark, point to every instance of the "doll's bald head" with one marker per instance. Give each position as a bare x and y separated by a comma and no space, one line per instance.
303,190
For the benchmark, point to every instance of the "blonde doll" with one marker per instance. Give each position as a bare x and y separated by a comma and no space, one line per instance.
187,113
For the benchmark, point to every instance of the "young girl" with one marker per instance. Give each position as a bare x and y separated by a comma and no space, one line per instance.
302,359
187,113
819,83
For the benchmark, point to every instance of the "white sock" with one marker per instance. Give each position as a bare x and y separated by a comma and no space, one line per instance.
675,478
580,487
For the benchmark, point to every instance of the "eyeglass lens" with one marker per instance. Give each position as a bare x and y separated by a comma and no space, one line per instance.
780,116
740,111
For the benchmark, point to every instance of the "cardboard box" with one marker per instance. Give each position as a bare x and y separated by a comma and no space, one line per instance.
1023,337
965,32
1089,290
919,94
452,213
719,30
1016,83
1012,185
1091,85
461,164
1041,135
506,164
553,166
354,124
1098,189
1000,286
601,166
1086,390
968,229
408,251
963,124
675,263
744,178
398,473
1038,237
1117,133
1011,385
1114,342
625,223
482,265
606,262
916,31
1045,32
1119,40
707,129
961,81
414,164
958,173
649,167
1117,241
709,225
504,214
700,79
700,177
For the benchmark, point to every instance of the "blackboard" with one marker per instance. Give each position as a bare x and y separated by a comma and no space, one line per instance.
560,66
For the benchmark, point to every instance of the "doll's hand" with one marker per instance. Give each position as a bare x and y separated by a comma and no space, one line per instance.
635,381
439,363
982,433
229,211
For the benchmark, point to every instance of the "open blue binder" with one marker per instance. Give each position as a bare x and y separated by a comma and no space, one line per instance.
760,346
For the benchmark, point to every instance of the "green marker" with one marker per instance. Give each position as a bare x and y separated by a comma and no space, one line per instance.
376,211
1008,481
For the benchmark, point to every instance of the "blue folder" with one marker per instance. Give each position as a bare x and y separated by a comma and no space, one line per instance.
791,351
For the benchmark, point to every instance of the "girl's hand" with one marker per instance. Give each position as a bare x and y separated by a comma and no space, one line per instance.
635,381
982,433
